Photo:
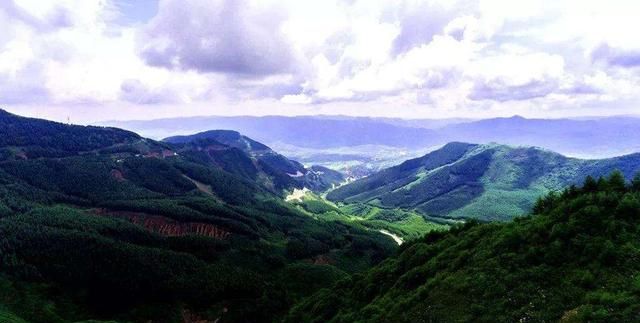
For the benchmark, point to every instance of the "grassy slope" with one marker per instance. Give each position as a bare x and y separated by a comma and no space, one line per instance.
406,224
487,182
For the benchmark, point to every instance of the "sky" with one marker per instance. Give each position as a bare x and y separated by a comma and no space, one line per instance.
93,60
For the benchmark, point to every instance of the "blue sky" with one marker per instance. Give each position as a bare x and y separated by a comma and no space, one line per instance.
94,60
136,11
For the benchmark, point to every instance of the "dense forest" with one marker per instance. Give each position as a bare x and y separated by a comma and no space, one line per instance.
575,258
128,229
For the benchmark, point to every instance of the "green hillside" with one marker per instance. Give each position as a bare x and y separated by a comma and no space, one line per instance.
575,259
284,173
128,229
485,182
405,225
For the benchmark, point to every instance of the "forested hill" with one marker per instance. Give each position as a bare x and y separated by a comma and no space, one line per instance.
111,226
227,137
286,172
485,182
31,134
575,259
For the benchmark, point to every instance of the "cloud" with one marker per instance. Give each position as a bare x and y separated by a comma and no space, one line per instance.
499,91
134,91
419,25
515,75
225,36
616,56
420,21
24,85
415,57
57,17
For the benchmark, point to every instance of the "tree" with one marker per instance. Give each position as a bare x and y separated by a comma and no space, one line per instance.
590,184
603,184
617,182
635,183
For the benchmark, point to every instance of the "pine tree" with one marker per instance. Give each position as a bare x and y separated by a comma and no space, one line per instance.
635,183
616,181
590,184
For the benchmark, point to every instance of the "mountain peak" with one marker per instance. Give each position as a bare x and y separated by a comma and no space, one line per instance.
462,180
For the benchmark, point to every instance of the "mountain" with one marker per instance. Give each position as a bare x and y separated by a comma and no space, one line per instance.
591,138
485,182
32,138
575,259
311,132
102,224
361,146
227,137
288,173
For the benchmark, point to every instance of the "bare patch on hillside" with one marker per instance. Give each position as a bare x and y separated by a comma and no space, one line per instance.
168,227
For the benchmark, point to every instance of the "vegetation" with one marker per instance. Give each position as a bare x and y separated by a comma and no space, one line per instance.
574,259
123,228
483,182
42,138
100,224
282,172
405,224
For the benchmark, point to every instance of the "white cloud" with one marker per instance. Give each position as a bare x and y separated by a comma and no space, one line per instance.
417,58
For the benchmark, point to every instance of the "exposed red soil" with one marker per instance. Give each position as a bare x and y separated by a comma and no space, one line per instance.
322,260
166,226
189,317
117,175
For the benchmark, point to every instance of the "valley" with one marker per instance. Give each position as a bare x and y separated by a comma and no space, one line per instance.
106,213
214,224
300,161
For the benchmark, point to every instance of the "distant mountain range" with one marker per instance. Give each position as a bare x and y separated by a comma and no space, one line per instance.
486,182
360,146
312,132
589,138
584,137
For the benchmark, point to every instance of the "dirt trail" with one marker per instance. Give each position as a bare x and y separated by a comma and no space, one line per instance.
395,238
202,187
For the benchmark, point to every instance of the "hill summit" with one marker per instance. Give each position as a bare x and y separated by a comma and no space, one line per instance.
485,182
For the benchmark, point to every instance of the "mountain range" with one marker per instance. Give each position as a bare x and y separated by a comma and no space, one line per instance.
100,224
484,182
359,146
